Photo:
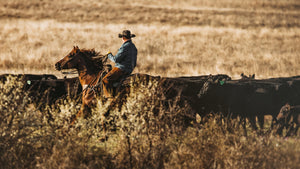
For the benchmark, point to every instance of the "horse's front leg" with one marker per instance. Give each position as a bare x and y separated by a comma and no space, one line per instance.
79,114
83,112
88,101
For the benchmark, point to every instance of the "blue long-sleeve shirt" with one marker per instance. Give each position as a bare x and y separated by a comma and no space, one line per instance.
126,57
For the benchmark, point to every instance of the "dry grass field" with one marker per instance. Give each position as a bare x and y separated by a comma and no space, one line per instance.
174,38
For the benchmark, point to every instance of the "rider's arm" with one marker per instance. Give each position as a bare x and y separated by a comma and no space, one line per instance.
119,56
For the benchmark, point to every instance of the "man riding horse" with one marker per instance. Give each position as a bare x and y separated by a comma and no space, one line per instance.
125,62
90,67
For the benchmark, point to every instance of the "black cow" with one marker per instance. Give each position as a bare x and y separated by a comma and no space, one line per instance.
287,90
246,98
26,78
187,88
179,91
45,89
250,98
46,92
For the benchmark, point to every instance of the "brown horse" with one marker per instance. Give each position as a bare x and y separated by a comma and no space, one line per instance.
91,68
89,65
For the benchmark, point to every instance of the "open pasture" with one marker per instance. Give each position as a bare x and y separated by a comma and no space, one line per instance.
174,38
230,37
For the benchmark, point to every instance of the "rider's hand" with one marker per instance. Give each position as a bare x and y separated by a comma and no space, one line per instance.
108,53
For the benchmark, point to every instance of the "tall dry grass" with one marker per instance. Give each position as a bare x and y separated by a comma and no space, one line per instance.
174,38
134,137
34,46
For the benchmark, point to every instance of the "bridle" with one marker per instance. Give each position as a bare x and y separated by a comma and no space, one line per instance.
97,79
72,72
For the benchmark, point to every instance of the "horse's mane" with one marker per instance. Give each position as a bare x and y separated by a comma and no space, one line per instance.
94,56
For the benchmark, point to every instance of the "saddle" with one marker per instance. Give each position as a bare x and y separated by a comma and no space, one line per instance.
116,86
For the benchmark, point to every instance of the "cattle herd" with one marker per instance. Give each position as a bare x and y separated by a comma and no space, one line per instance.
45,88
247,98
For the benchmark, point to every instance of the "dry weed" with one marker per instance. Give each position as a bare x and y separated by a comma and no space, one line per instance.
145,133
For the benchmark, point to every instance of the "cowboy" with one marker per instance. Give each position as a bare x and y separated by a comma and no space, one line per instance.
125,62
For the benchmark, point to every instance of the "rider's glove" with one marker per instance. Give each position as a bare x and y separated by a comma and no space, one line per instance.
108,53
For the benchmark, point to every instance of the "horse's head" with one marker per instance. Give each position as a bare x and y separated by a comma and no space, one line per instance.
79,58
70,61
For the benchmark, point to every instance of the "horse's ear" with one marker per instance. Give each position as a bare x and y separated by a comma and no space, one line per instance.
76,48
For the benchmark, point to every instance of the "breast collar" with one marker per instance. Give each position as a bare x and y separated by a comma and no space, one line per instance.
84,87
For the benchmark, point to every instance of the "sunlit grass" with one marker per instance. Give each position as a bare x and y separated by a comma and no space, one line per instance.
163,50
143,134
180,38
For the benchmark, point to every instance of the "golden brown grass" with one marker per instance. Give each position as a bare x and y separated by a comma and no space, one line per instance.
165,50
173,38
136,137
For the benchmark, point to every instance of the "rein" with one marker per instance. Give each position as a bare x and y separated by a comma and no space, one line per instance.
70,72
85,87
98,78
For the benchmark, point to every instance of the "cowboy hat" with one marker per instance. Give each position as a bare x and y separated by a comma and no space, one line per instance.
127,34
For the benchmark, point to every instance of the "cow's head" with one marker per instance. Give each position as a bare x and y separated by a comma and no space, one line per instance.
284,112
